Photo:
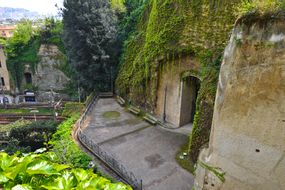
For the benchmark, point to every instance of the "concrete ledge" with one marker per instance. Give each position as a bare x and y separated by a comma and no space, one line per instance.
106,95
134,110
121,101
151,119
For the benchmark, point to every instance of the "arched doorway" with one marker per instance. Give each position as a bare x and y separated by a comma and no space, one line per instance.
28,78
190,86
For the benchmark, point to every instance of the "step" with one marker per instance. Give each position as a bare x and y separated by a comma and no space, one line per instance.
121,101
151,119
106,95
134,110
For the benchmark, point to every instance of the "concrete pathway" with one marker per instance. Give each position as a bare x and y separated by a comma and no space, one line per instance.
147,151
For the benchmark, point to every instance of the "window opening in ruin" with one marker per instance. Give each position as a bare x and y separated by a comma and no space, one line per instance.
28,77
2,81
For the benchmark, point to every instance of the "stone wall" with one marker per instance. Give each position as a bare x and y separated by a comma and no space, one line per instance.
170,90
48,75
247,144
3,70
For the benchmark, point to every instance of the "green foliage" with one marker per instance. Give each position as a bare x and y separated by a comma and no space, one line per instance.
186,162
130,18
19,111
260,6
22,48
118,5
3,41
215,170
204,104
25,136
72,108
166,32
51,33
31,87
39,171
38,132
91,42
21,37
64,147
9,127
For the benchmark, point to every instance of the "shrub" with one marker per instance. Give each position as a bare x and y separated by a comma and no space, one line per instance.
72,108
41,172
65,148
35,134
25,136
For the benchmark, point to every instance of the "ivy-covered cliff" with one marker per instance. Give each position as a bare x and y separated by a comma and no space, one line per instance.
169,34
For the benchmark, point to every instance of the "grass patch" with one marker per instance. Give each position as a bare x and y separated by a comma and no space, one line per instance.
111,115
23,111
185,161
134,121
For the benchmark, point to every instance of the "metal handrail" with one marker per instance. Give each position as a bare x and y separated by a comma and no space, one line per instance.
107,158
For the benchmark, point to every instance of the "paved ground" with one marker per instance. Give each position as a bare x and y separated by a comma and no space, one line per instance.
147,151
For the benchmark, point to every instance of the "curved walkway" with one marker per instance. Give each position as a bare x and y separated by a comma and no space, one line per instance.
147,151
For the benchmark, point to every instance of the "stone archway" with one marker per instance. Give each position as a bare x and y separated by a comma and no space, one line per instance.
28,78
189,91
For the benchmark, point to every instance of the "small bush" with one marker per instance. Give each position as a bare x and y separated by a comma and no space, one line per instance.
35,134
72,108
25,136
65,148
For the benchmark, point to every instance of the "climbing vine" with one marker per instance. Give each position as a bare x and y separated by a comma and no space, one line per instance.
168,31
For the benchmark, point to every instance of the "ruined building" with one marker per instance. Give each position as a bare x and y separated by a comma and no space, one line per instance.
4,78
247,143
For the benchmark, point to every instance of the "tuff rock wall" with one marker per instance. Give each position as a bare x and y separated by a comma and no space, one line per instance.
247,143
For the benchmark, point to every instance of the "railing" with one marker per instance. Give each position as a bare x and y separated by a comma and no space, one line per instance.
107,158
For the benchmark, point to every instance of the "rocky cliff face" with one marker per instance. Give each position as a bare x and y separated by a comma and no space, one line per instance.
48,75
173,38
247,145
48,78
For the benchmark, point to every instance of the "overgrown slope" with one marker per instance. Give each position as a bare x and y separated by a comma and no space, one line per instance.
168,31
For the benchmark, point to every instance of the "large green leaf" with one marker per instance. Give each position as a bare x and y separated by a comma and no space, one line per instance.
13,172
81,174
41,167
66,182
3,178
50,156
99,182
19,166
6,161
22,187
117,186
60,167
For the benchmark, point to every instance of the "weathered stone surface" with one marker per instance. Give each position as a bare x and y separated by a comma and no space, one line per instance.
248,132
47,75
170,97
3,70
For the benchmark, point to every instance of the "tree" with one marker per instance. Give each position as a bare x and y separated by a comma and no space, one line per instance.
22,48
90,40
